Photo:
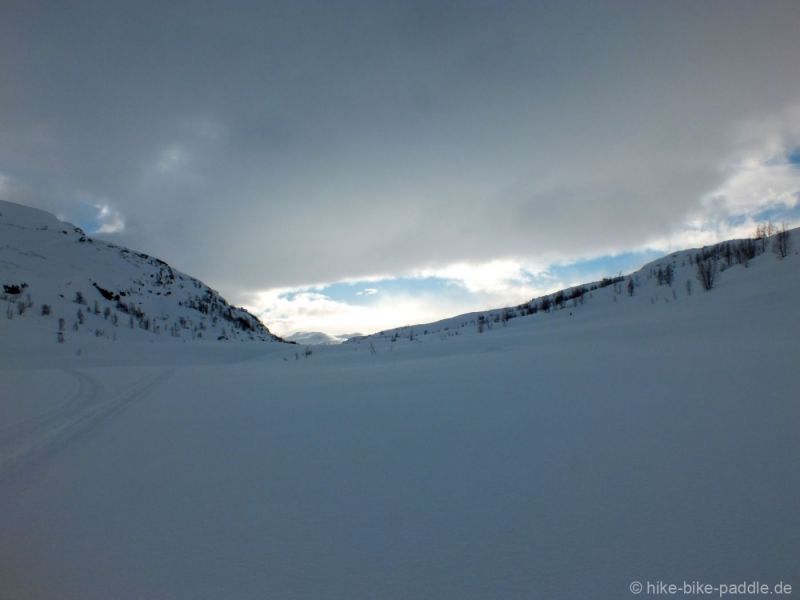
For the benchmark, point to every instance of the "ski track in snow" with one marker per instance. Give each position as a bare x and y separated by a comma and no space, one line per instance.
35,439
85,394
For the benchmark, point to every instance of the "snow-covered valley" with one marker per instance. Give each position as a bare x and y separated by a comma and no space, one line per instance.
643,435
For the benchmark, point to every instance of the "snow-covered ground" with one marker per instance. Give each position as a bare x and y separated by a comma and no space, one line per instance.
563,455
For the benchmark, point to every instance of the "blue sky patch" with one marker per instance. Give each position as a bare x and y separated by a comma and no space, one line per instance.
88,217
352,292
603,266
777,214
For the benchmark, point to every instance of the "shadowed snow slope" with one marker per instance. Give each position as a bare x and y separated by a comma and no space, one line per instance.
565,455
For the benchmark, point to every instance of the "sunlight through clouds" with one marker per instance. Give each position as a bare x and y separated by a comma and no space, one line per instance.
421,296
291,311
110,221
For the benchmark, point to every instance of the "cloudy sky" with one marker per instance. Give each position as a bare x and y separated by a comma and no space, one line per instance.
349,166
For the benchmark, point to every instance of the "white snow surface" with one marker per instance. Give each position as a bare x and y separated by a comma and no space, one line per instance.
651,437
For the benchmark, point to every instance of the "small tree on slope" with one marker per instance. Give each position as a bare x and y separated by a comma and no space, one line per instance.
707,273
781,242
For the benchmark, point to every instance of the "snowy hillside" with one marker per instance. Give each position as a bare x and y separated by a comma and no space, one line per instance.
676,278
60,285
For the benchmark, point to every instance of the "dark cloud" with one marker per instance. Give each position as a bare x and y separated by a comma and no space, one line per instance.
262,144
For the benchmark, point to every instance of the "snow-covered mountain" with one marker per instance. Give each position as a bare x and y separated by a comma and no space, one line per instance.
676,278
62,285
318,338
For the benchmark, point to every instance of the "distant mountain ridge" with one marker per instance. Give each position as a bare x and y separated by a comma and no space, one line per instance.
318,338
58,281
